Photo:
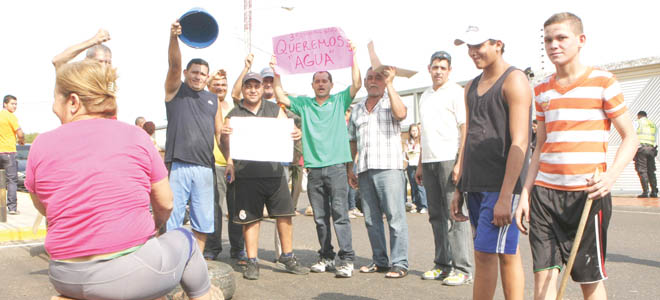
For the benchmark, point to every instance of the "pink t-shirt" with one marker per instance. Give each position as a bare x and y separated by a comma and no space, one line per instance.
94,178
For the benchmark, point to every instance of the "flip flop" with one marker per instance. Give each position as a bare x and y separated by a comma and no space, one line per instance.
399,271
373,268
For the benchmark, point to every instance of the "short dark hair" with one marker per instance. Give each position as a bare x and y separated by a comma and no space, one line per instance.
492,41
641,113
441,55
149,127
329,75
8,98
574,21
197,61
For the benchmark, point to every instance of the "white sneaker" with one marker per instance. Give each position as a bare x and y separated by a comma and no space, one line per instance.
356,212
423,211
345,270
324,264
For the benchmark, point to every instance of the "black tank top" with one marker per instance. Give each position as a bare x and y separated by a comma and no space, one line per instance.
191,127
488,140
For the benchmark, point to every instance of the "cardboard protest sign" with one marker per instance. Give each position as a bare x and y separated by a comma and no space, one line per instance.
378,66
312,51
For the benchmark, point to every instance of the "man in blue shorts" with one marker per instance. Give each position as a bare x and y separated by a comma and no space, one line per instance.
497,104
194,118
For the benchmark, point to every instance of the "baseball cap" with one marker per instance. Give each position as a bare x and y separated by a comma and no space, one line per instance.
252,76
440,55
474,35
267,72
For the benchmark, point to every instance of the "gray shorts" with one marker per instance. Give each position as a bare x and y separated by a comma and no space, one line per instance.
148,273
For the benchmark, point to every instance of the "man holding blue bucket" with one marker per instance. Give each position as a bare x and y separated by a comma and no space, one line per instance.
194,119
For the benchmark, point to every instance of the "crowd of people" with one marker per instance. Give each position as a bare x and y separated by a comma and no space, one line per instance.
114,204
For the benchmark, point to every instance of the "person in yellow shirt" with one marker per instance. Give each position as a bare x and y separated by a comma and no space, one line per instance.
217,84
10,132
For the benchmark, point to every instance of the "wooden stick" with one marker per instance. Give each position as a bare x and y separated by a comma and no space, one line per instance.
576,242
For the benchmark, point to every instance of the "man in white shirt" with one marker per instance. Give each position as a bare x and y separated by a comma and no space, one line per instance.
442,114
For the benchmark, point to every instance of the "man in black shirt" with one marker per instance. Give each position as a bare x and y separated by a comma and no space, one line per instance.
254,184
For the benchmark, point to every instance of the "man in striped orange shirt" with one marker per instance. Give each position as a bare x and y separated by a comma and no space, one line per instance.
575,108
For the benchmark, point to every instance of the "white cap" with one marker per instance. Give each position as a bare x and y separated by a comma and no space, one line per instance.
474,35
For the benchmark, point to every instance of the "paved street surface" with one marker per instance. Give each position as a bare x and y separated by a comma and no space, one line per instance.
633,264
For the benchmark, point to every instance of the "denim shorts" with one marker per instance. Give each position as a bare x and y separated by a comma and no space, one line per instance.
192,183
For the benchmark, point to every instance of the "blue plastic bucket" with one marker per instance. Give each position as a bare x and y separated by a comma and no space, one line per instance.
198,28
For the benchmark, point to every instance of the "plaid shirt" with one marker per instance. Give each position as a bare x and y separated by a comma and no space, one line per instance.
378,136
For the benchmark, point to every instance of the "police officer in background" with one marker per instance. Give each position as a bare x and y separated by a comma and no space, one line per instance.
645,157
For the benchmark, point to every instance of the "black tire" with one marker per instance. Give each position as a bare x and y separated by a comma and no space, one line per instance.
222,276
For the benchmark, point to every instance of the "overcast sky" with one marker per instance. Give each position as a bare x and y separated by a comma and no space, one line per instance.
405,34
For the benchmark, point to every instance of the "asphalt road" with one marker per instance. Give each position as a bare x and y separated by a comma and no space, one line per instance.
633,265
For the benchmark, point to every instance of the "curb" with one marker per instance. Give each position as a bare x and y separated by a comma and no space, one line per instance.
21,234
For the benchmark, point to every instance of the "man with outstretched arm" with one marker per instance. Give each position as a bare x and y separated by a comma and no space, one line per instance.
194,119
326,151
95,50
375,133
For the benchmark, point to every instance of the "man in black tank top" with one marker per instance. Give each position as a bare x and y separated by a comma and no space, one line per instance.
193,120
494,163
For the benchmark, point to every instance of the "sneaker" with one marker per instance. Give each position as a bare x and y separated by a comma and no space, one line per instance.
351,215
643,195
291,265
251,271
356,212
345,270
309,211
457,278
435,274
323,265
654,195
423,211
412,211
14,212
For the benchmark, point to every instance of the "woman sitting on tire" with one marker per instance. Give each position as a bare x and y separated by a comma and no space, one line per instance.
94,178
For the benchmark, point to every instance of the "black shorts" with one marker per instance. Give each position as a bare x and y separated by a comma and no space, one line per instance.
250,195
554,219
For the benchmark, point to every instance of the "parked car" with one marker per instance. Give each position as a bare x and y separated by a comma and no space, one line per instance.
21,160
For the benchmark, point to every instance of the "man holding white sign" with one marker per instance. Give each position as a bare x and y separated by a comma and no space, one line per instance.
255,183
325,151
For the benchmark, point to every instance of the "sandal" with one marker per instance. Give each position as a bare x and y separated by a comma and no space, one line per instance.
373,268
398,271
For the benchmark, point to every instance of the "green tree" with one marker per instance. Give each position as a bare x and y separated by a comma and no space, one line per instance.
29,137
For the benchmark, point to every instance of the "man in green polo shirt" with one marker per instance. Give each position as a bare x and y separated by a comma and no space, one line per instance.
325,151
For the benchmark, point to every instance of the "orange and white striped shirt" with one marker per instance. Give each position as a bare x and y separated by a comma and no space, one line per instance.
577,125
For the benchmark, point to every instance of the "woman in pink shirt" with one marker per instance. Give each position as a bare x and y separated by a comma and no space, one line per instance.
94,178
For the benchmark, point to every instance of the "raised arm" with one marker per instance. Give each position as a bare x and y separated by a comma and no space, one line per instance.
519,98
355,73
236,90
399,111
70,53
173,80
281,97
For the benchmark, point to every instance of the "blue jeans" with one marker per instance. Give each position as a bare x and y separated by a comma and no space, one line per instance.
418,192
327,188
452,239
380,190
9,164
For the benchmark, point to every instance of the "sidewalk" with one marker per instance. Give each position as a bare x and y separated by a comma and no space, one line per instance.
19,227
